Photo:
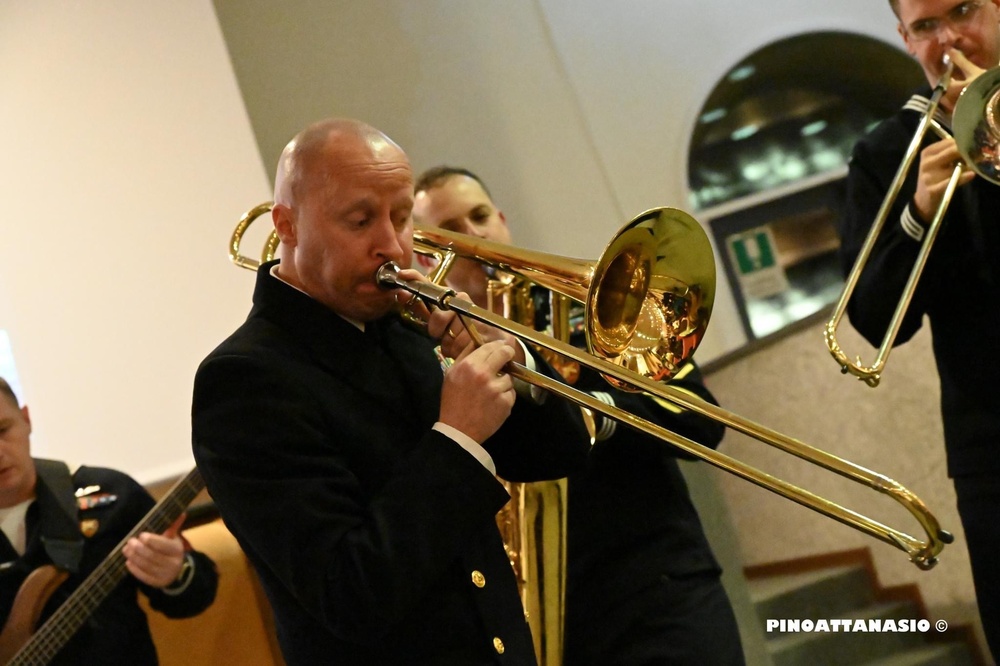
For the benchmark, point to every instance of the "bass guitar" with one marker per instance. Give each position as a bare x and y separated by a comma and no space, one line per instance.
20,645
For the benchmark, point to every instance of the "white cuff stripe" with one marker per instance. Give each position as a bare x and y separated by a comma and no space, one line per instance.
911,227
608,425
525,389
919,103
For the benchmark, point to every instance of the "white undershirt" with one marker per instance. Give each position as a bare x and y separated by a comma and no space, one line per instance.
14,525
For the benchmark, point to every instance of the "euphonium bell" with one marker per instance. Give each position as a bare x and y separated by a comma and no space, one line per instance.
976,125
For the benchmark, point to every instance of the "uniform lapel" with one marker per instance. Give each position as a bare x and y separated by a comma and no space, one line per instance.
417,364
7,552
396,367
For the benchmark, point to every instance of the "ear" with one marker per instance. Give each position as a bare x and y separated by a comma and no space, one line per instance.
27,416
284,224
906,39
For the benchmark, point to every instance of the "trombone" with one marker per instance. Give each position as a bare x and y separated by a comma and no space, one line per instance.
644,317
976,127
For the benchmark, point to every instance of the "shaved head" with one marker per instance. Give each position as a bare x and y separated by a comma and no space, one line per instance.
301,163
343,194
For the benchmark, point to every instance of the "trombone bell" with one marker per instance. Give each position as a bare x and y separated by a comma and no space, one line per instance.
976,123
652,294
648,298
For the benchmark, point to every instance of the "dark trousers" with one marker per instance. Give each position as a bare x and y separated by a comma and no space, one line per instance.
979,507
677,622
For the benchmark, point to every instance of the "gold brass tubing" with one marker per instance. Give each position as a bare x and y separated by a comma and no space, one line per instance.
922,553
872,374
270,246
444,263
977,134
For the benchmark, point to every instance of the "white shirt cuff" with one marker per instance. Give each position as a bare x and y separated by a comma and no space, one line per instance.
467,443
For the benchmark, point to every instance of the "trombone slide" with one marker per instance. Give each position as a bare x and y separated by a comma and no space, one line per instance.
977,133
684,249
922,553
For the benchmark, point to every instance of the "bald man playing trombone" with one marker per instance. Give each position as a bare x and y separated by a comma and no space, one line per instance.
360,479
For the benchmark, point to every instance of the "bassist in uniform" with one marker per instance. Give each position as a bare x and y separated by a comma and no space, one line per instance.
74,521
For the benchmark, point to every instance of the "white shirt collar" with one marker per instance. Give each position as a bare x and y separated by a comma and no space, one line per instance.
360,325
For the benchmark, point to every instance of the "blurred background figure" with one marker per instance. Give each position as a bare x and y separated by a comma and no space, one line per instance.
643,585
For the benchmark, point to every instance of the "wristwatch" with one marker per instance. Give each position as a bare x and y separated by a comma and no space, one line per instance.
183,578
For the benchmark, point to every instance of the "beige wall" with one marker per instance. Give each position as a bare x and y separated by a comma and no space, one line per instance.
126,160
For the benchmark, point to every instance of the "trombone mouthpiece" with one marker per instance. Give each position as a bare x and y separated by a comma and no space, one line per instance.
385,276
949,68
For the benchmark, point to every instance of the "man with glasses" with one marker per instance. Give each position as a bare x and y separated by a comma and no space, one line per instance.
961,281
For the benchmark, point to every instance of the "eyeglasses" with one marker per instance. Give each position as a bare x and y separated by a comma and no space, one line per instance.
960,16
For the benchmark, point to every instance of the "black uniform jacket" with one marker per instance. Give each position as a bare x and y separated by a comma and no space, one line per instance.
957,291
117,631
374,536
631,520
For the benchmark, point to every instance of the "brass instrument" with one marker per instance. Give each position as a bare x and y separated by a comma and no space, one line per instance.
270,245
976,127
534,523
647,301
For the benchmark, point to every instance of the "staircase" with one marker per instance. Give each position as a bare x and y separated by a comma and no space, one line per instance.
844,587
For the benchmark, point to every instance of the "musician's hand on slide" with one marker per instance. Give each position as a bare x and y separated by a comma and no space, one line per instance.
937,162
489,334
447,327
476,397
449,330
156,559
413,304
